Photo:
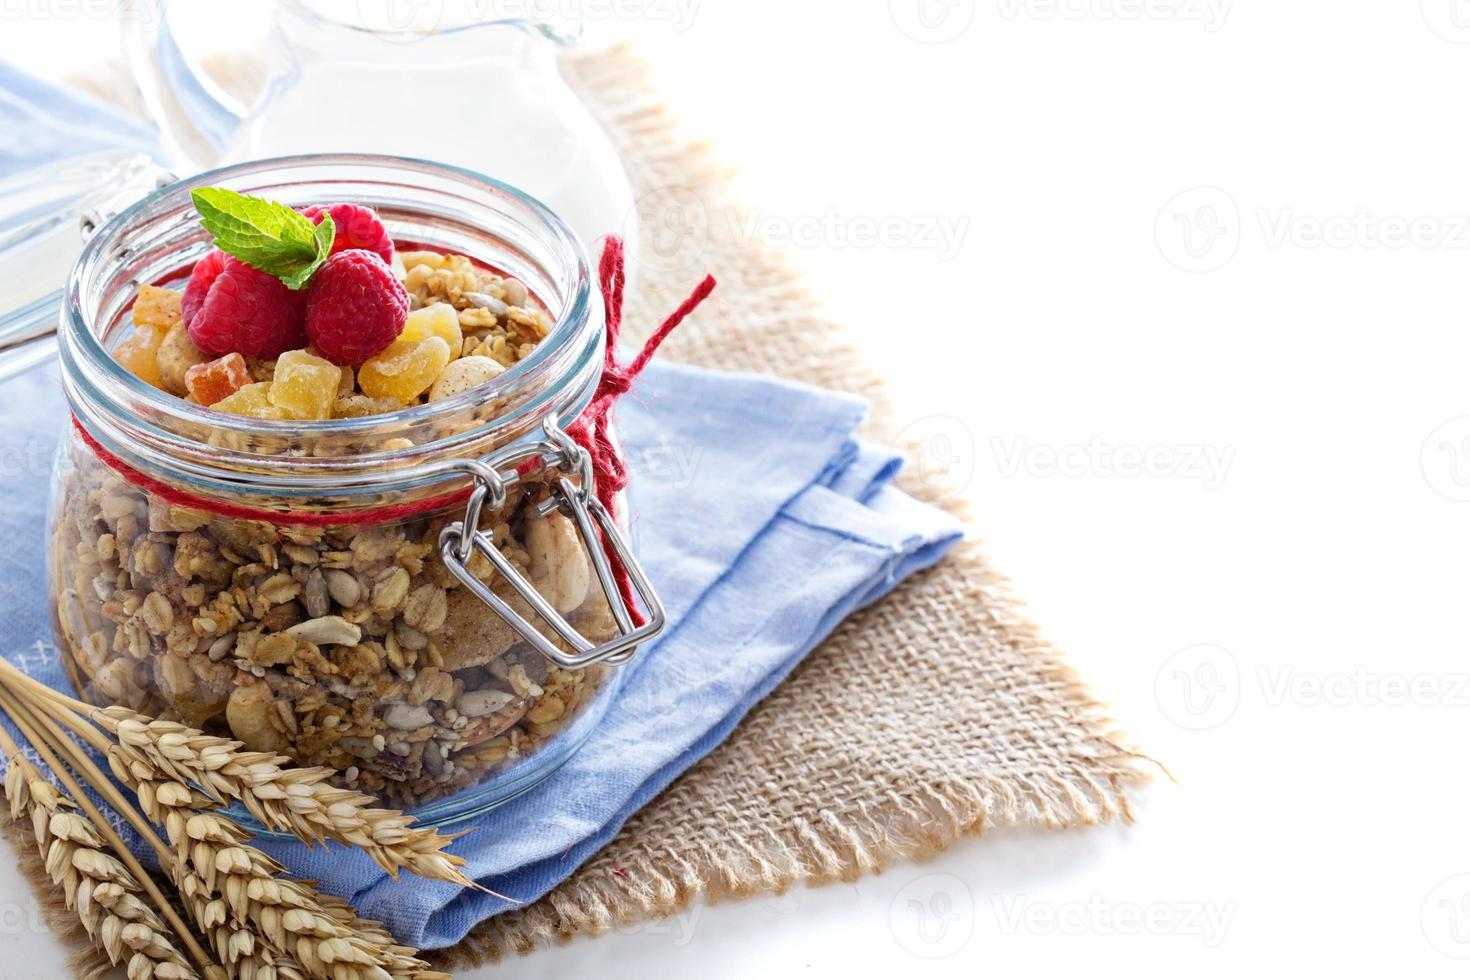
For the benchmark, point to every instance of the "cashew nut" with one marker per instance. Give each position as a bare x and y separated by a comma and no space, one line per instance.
464,374
407,717
558,565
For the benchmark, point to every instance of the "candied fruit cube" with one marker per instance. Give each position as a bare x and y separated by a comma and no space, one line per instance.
158,308
405,370
439,320
253,400
138,352
305,385
214,380
176,355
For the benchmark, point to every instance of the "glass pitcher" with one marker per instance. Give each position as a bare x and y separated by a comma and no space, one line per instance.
454,81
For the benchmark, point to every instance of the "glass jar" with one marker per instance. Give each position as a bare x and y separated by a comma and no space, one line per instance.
421,601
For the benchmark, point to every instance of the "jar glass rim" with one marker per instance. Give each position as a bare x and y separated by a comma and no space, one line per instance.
93,375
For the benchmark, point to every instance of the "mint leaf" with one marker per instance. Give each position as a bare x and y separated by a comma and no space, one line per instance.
269,236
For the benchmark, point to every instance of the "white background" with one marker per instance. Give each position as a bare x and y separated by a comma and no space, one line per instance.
1275,605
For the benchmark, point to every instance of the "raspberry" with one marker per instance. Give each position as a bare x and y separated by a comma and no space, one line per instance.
355,307
205,271
357,227
230,307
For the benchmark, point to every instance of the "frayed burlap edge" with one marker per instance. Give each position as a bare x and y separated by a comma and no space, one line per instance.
711,835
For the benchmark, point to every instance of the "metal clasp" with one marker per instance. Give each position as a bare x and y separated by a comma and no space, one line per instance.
493,475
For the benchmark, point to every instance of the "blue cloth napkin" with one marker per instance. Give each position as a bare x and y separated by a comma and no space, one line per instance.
759,517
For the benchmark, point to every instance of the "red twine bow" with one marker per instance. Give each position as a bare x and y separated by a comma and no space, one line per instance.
592,430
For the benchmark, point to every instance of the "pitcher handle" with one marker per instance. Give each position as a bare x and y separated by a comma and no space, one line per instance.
196,118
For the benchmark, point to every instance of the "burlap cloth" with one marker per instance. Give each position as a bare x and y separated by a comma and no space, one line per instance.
935,714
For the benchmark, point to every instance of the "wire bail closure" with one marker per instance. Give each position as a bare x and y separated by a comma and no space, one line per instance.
492,477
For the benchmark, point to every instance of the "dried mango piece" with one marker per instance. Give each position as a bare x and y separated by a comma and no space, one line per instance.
212,381
405,370
253,400
138,352
305,385
160,309
438,320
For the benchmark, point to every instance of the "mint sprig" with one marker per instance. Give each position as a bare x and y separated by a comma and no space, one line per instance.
269,236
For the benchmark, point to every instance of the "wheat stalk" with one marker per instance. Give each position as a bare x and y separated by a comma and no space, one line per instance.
108,898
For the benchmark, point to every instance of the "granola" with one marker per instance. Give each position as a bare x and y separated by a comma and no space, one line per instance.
349,647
